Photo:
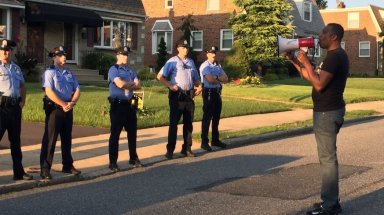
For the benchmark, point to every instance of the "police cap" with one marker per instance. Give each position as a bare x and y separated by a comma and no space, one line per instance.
7,45
57,51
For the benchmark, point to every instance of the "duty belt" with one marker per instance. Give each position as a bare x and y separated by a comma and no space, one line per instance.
212,90
119,101
7,101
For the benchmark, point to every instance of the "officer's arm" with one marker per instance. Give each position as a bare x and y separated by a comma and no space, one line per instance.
137,85
76,96
53,97
123,84
223,78
211,79
23,92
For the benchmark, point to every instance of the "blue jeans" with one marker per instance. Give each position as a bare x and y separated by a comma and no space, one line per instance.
326,126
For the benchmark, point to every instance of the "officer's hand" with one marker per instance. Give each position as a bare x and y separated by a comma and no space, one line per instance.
198,90
69,106
22,103
174,88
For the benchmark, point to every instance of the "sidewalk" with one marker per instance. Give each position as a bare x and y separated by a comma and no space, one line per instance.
91,153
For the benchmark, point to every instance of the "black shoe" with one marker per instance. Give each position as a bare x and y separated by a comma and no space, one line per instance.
187,153
169,155
24,176
71,170
219,144
46,175
206,147
135,163
114,168
318,209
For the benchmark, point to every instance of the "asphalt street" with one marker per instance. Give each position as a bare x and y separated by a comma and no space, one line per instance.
274,177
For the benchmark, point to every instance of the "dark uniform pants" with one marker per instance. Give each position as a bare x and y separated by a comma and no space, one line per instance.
211,111
180,104
56,122
10,119
122,115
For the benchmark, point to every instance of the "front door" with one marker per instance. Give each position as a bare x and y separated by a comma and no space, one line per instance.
35,41
69,42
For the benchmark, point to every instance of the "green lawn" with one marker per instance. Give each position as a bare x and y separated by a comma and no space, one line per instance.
92,108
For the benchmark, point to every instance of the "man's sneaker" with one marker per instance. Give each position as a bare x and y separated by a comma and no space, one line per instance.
206,147
71,170
169,155
135,163
319,210
219,144
187,153
113,167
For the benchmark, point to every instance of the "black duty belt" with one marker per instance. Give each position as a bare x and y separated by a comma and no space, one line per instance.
51,103
212,90
119,101
7,101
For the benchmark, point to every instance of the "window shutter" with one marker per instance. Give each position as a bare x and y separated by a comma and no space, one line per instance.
90,36
135,36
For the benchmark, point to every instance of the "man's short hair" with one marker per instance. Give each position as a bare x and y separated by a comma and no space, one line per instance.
337,29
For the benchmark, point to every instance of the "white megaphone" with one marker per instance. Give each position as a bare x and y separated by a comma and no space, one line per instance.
286,45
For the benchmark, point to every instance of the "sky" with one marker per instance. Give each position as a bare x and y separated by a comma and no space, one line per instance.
356,3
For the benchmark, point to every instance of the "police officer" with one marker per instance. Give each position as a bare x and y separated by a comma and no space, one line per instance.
122,81
183,78
212,76
12,100
62,92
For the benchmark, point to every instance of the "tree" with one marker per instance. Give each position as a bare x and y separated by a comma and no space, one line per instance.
161,54
187,27
256,28
322,4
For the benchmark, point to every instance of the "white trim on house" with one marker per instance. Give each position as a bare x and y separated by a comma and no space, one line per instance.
12,6
166,4
202,41
221,39
352,18
369,48
168,32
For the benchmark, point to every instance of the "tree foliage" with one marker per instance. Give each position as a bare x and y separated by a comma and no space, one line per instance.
161,54
187,27
322,4
257,26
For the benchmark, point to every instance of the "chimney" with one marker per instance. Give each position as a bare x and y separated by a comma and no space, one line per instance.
341,5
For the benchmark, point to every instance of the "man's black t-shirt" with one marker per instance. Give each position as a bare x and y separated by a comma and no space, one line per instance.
331,98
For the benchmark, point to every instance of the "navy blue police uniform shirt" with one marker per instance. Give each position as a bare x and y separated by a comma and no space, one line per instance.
208,68
11,78
64,83
124,73
182,73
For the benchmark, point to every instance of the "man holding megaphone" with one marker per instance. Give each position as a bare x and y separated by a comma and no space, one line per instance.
328,82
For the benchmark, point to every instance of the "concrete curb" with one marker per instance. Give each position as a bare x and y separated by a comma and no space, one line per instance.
232,143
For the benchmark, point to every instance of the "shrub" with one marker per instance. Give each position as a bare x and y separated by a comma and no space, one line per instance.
99,61
145,75
28,65
271,76
251,80
235,63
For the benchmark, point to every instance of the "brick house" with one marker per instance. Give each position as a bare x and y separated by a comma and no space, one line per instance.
211,19
10,13
81,26
361,40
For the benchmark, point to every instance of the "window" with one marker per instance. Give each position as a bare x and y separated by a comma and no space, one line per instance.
213,4
113,34
342,45
226,39
4,23
364,49
162,29
197,40
307,11
168,3
353,20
